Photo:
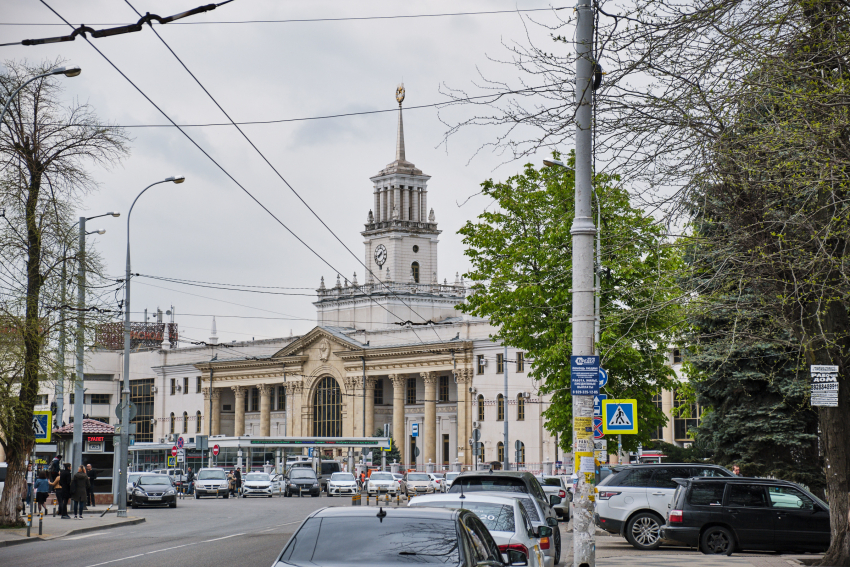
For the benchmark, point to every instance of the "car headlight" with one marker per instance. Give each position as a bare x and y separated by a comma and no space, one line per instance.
139,491
315,485
171,491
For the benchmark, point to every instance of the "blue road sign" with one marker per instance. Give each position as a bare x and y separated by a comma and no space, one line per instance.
597,428
415,430
179,442
597,403
619,416
309,451
584,375
603,377
42,426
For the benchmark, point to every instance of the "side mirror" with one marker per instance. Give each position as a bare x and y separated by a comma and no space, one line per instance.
553,522
543,531
554,500
514,558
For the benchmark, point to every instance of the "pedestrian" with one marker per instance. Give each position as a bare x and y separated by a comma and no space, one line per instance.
79,490
190,480
55,468
29,484
62,485
736,470
231,482
92,474
238,477
42,491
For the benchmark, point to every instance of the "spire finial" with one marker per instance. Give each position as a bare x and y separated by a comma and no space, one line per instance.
213,333
399,146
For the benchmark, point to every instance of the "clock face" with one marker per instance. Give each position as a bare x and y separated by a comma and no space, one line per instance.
380,255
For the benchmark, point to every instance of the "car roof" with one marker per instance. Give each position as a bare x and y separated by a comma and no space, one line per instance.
651,465
513,474
471,497
743,479
406,512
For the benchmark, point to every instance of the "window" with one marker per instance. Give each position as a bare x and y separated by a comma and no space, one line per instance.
481,364
72,399
198,421
141,394
500,408
327,409
706,494
247,398
500,364
521,455
659,431
411,391
173,387
379,392
185,385
186,420
445,448
444,388
520,362
663,478
677,356
173,419
255,399
198,385
746,496
281,398
789,498
520,408
686,418
99,398
480,407
635,477
414,272
501,452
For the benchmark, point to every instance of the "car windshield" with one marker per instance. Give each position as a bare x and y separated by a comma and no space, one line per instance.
132,478
145,480
212,475
497,517
342,476
386,540
302,473
257,476
550,481
452,475
418,477
381,476
488,484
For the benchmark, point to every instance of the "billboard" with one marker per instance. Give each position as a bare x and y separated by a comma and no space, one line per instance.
142,335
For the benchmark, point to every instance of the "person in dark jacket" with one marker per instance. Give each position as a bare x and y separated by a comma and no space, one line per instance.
190,480
55,468
79,489
237,475
42,491
62,485
92,474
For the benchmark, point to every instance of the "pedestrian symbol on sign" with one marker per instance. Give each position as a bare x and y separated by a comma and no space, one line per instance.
620,417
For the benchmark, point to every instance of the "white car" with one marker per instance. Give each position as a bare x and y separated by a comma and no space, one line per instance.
211,482
507,521
342,483
450,477
381,482
419,483
259,484
438,479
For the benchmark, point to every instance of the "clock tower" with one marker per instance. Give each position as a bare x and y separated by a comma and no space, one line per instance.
400,240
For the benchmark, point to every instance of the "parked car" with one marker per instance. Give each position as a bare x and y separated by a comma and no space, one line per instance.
154,490
450,477
438,479
418,483
516,484
342,483
302,480
259,484
329,467
721,515
507,521
633,502
554,486
381,482
211,482
391,536
402,486
177,475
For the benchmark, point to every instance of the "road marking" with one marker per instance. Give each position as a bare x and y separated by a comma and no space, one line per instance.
220,538
85,536
288,523
116,560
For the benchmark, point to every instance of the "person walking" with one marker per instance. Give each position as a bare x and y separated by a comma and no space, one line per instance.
237,475
29,484
190,480
92,474
42,491
62,485
55,468
79,490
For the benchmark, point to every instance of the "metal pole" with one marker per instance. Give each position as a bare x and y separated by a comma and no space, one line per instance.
583,295
77,459
363,358
60,381
507,463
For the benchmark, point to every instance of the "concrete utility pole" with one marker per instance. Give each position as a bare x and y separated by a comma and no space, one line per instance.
583,293
80,375
59,395
507,464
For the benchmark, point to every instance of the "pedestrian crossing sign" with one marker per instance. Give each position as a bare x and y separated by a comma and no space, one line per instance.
619,417
42,426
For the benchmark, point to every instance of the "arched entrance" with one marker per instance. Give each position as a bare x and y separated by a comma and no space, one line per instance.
327,409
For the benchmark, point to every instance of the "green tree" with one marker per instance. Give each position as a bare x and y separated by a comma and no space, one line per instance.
521,261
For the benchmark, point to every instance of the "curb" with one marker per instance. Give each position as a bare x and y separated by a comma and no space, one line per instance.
131,522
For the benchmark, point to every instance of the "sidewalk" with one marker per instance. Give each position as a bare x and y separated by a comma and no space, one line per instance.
53,528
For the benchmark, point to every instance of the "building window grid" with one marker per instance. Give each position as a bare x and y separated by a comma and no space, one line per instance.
480,407
480,364
198,385
281,398
141,394
327,409
520,362
686,418
171,420
521,453
379,392
500,408
99,398
444,388
185,421
411,391
198,422
500,364
501,452
659,431
185,385
173,386
520,408
255,399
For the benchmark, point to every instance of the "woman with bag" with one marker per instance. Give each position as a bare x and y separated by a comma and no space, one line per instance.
42,490
79,489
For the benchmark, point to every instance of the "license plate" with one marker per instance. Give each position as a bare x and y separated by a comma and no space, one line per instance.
154,498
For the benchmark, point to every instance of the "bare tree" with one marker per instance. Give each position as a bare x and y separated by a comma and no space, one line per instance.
44,148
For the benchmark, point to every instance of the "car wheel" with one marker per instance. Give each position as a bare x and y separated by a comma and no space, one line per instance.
270,495
717,540
173,505
244,496
134,506
226,495
557,545
644,531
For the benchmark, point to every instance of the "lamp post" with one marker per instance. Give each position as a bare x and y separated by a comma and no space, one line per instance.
77,443
72,72
125,391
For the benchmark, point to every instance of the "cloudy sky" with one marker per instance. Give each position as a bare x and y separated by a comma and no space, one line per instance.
207,229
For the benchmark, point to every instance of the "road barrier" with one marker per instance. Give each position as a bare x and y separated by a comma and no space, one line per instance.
40,517
355,500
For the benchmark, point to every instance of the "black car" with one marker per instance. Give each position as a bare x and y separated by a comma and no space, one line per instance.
721,515
302,480
392,536
154,490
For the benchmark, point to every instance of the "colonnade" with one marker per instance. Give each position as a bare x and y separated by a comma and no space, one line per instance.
411,201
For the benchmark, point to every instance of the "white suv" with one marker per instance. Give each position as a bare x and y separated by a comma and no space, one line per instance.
633,502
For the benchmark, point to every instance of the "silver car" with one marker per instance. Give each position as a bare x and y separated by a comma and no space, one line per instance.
555,486
507,521
419,483
381,482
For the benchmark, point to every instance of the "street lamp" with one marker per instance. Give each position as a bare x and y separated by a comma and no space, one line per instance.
72,72
125,392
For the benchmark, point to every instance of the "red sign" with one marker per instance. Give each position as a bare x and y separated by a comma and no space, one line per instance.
174,451
96,439
215,450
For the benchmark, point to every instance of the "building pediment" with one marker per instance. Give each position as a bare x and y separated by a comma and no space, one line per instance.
322,341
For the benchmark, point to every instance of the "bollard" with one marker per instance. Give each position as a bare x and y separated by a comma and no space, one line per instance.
397,498
29,523
355,500
107,510
40,516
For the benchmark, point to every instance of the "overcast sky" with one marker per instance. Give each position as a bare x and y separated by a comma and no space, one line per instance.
207,229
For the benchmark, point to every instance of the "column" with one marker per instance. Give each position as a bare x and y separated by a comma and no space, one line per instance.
397,199
214,418
370,407
384,199
239,421
377,213
266,409
464,413
424,206
417,204
430,379
398,381
667,408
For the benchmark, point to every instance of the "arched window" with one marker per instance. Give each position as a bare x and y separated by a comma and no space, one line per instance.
327,409
501,452
480,407
198,421
500,407
520,408
521,456
414,272
172,423
185,422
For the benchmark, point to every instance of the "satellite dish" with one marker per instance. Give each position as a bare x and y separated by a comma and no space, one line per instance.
168,312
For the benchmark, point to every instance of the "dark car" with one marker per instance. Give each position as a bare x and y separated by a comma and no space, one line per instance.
302,480
721,515
154,490
392,536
